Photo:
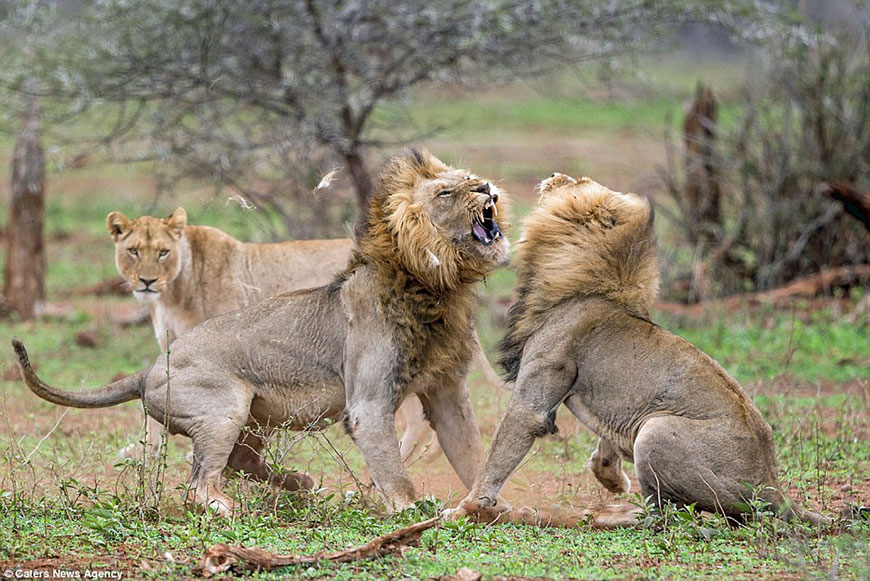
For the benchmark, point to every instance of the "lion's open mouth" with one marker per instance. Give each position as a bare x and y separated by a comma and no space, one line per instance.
483,227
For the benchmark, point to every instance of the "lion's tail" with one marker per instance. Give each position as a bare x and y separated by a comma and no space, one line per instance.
787,509
126,389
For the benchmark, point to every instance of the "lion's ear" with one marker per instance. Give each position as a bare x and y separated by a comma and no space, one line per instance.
177,220
425,163
118,225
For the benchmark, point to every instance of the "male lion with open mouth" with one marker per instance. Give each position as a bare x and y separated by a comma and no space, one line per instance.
580,334
398,321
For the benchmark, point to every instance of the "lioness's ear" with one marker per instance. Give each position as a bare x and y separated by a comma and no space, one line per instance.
117,224
177,220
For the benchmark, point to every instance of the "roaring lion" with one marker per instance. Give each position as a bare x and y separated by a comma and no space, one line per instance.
187,274
580,334
397,321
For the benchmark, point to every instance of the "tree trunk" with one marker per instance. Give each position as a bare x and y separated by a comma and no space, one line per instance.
24,276
362,183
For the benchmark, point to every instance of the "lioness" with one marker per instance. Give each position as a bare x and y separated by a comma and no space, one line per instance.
397,321
580,334
187,274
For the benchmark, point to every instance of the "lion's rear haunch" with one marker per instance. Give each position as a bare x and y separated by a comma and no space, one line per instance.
126,389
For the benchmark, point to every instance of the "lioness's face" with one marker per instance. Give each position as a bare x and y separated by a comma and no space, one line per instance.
468,209
146,250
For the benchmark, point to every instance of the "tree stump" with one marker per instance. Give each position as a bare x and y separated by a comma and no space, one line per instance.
24,275
702,192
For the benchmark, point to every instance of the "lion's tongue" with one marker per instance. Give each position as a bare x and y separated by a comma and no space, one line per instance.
480,233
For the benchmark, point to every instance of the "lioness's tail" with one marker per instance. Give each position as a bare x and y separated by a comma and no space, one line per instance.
116,392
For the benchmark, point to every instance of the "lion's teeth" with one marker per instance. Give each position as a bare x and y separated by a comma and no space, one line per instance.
490,205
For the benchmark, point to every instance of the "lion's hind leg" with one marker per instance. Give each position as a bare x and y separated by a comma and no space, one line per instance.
416,430
247,457
209,461
214,439
712,464
605,463
450,413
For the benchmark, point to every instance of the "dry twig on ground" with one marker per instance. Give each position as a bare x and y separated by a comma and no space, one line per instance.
221,558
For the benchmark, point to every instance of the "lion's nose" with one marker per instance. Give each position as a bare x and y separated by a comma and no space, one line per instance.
147,281
482,188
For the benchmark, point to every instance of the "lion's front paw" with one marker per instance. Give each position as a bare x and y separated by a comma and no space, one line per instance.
555,181
295,481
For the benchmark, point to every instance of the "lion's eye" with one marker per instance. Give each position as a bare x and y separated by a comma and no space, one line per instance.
444,193
132,252
162,253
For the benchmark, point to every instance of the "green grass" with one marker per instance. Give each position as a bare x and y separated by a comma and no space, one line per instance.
641,98
485,115
764,343
682,546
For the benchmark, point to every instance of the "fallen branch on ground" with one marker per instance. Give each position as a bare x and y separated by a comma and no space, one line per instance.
221,558
822,283
806,287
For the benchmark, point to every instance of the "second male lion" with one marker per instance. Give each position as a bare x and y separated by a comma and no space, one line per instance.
580,334
396,322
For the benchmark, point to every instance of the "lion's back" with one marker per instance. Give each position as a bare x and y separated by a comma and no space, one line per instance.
297,264
224,274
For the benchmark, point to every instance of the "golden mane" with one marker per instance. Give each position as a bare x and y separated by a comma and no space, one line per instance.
583,240
400,236
423,280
